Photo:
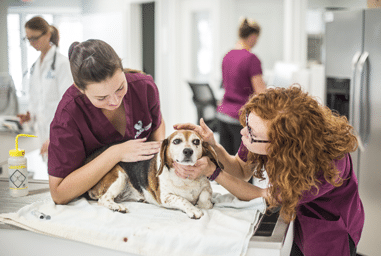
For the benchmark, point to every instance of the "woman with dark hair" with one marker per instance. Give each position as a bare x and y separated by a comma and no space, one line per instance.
49,78
304,148
241,77
106,105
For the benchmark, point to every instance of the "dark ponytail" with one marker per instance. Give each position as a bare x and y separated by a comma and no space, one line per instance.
55,35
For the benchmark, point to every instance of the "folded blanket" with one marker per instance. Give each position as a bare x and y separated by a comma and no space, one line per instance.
147,229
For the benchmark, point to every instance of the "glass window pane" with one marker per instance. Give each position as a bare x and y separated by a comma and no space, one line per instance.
202,47
47,17
71,29
14,49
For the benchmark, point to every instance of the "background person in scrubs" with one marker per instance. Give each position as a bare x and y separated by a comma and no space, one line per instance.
241,77
304,148
106,105
50,76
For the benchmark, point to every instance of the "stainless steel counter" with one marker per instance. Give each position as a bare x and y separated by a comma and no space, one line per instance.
279,243
38,190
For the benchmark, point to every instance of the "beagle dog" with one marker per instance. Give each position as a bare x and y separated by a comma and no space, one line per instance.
151,182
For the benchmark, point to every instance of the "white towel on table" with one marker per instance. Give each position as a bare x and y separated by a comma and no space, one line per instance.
148,229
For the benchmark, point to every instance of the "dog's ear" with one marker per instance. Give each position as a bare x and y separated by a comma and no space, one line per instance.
209,151
163,156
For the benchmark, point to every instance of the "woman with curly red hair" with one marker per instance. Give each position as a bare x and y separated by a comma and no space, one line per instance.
304,149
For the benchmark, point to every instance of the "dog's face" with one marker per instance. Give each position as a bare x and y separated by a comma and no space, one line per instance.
184,147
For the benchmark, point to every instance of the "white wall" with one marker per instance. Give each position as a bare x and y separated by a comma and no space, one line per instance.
269,14
107,21
350,4
3,37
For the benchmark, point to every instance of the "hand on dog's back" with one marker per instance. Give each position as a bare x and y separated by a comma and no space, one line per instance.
137,150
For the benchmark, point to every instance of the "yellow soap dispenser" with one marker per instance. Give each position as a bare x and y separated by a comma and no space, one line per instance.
17,170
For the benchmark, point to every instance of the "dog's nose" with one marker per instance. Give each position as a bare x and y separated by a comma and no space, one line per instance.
187,152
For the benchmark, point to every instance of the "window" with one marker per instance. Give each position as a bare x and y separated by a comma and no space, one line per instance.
14,49
202,51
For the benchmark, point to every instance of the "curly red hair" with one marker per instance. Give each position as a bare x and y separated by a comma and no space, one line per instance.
305,139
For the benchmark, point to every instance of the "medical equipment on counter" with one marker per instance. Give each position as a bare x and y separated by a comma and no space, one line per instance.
8,97
17,170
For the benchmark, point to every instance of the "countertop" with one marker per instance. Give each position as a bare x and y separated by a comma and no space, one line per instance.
38,190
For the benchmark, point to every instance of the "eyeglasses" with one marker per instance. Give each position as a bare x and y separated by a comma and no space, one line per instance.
250,133
34,38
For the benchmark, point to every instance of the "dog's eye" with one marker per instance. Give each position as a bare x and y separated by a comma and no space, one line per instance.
177,141
196,142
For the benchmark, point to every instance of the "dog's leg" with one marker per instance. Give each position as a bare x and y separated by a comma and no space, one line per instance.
113,191
204,200
177,202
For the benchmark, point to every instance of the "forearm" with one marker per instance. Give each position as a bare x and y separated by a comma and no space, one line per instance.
241,189
84,178
231,164
258,84
159,133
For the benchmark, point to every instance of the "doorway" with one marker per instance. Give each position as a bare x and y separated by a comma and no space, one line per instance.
148,38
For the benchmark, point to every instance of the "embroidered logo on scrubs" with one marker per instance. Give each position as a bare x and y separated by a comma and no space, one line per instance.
139,127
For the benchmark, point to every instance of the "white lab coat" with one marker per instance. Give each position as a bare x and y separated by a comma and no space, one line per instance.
46,87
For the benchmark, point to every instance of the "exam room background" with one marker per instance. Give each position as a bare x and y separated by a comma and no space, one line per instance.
190,38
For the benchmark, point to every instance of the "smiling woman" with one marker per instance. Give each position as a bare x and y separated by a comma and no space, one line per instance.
106,105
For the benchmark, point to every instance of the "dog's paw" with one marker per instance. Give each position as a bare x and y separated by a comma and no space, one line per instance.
121,210
113,206
194,213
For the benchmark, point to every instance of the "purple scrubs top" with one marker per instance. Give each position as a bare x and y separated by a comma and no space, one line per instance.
324,220
79,128
238,67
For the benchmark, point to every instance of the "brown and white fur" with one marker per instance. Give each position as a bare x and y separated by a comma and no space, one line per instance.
158,184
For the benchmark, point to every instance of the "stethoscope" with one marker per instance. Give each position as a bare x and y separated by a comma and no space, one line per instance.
52,66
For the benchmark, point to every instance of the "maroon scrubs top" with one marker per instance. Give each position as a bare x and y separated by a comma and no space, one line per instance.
324,220
238,67
79,128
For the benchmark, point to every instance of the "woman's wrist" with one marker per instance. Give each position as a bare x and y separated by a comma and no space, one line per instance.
114,149
217,147
215,174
